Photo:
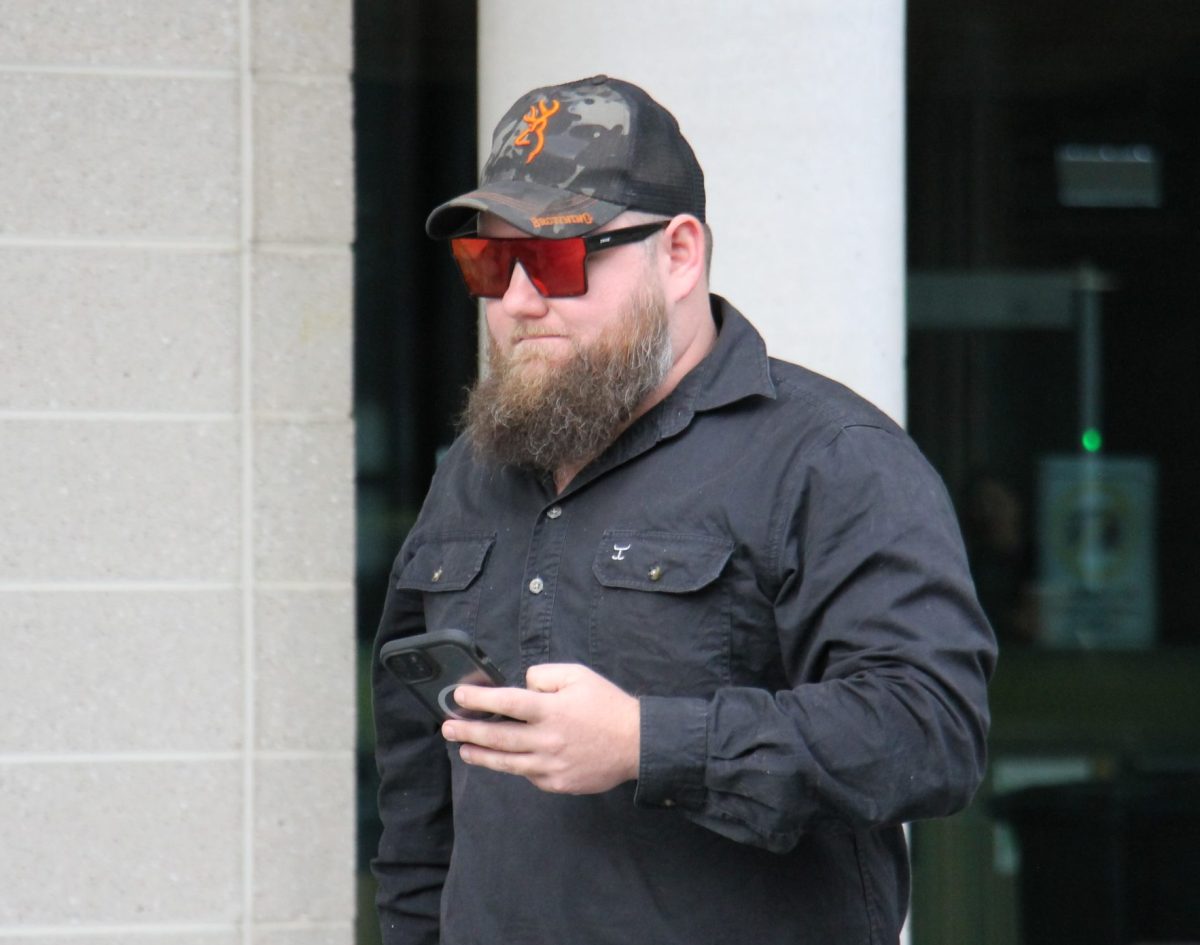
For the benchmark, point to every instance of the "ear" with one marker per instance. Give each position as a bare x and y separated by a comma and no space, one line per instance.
684,239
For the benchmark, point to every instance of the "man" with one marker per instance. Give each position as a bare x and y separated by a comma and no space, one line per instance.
729,595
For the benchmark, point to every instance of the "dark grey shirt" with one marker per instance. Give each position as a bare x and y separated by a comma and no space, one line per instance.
768,562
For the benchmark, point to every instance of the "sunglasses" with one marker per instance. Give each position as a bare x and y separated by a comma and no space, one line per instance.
555,267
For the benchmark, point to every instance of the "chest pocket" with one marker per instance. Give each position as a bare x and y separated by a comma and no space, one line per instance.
660,622
445,570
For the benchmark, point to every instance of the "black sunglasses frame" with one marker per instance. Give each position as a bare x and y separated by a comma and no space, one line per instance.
627,234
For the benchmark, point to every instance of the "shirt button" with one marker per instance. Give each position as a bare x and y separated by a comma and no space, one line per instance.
655,573
668,803
536,585
554,512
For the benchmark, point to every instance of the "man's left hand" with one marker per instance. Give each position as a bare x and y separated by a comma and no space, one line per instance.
577,733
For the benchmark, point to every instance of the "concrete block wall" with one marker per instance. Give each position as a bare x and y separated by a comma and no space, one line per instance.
176,473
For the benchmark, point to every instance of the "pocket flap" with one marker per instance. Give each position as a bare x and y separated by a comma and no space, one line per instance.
445,564
667,562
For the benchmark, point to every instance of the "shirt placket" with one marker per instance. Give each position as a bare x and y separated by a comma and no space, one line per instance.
540,583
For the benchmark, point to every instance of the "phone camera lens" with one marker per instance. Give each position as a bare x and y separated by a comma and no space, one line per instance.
414,667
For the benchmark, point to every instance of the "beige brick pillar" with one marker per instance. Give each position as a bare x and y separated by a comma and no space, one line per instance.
176,473
796,112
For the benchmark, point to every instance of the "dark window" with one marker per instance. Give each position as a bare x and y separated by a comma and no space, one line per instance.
415,328
1053,355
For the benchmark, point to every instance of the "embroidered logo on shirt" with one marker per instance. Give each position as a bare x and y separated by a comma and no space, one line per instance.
620,552
536,119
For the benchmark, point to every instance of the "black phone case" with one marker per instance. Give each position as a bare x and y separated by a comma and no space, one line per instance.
433,664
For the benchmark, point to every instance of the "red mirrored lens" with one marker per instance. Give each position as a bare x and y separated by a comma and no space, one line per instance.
556,267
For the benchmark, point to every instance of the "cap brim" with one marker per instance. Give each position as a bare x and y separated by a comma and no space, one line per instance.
532,208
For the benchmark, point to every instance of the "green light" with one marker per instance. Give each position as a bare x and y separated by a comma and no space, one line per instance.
1091,440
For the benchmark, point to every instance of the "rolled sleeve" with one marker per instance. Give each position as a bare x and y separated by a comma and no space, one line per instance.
674,747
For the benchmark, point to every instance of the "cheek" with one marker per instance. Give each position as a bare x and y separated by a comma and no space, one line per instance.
589,317
498,324
582,331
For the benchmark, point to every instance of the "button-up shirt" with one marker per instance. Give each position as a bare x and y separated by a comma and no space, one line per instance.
771,566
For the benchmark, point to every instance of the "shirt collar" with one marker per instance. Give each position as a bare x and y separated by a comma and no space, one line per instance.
736,368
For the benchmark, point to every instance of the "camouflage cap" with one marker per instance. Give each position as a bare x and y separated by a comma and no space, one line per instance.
568,158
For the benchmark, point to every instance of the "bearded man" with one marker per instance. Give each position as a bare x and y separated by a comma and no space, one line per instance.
729,596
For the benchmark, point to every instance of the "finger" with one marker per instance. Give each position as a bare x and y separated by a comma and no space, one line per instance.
525,766
514,703
506,737
550,677
502,761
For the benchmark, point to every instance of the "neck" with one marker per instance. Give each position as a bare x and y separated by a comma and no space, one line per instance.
563,476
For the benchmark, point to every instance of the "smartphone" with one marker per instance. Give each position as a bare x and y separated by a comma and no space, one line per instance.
434,664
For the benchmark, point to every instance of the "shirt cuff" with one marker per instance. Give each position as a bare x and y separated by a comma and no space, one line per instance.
674,749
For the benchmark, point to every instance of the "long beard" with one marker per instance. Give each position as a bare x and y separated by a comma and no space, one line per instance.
532,411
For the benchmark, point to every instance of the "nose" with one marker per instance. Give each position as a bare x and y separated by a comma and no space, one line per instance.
521,298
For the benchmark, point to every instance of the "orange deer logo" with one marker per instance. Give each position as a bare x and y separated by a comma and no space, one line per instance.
535,120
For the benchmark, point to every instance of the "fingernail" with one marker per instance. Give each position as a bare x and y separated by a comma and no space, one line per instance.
449,732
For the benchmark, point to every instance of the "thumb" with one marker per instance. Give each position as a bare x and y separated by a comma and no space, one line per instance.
549,677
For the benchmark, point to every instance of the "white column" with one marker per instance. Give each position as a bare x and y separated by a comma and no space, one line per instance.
176,472
796,112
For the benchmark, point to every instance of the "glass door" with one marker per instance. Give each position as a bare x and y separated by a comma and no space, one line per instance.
1054,381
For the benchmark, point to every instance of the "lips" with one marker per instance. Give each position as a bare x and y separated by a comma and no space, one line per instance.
517,338
522,339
